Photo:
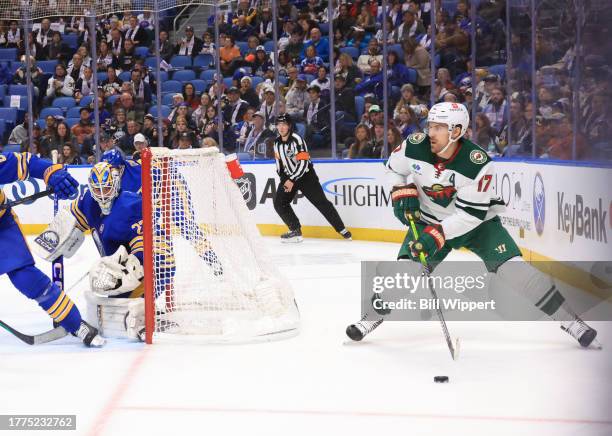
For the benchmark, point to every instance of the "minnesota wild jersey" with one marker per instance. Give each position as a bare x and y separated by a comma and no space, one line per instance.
455,193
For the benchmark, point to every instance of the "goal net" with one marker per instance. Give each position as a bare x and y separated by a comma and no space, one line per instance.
208,276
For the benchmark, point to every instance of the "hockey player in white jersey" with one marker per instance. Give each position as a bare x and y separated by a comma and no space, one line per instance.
443,181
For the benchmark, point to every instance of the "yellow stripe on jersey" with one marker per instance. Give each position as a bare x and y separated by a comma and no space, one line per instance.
2,200
59,301
49,171
82,223
23,161
66,311
60,309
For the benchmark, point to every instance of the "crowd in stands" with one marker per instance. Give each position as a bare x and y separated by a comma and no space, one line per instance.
62,70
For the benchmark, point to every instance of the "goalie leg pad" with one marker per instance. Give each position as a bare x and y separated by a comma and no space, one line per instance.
61,238
116,317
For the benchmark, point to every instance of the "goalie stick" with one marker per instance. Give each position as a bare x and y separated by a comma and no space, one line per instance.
26,199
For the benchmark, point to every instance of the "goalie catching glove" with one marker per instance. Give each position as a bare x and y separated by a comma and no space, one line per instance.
116,274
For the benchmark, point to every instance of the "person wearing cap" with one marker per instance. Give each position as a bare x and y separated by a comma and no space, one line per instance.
375,115
233,112
259,136
483,92
268,105
297,98
262,61
316,115
185,140
247,93
140,142
189,45
297,173
84,128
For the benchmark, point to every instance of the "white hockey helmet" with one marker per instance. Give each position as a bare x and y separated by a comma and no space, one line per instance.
104,185
451,114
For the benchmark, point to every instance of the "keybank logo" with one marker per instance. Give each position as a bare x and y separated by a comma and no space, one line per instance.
539,204
579,219
357,191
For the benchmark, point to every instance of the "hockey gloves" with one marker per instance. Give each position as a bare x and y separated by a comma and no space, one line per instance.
405,199
63,184
429,242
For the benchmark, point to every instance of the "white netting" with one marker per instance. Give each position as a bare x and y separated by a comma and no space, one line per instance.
212,276
37,9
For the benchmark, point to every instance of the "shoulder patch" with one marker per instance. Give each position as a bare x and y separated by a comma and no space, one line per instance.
478,157
416,138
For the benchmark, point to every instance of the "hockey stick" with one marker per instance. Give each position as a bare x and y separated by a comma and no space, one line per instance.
453,348
26,199
41,338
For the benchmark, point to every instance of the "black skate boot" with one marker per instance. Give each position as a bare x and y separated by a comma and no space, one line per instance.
346,234
89,335
292,236
580,331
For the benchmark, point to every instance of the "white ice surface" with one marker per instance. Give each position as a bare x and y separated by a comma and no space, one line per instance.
512,378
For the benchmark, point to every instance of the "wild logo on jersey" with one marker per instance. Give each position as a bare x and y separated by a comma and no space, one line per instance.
440,194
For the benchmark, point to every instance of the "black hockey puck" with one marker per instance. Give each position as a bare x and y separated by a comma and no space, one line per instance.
441,379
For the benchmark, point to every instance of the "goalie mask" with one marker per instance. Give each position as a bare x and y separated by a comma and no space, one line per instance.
103,184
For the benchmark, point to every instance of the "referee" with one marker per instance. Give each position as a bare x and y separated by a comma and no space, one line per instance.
296,172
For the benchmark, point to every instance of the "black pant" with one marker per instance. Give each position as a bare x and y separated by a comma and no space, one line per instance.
309,185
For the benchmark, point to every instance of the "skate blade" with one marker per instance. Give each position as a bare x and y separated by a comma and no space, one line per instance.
292,240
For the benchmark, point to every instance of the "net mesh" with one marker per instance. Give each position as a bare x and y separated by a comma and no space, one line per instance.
213,277
37,9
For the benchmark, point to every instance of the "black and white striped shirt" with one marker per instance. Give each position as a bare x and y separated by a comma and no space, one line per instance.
292,157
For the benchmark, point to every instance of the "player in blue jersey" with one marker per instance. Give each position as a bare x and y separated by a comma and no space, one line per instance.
17,261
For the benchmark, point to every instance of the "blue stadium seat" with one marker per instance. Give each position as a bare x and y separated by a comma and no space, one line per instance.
167,99
74,112
3,89
11,148
48,67
71,39
359,106
112,99
23,102
437,60
228,82
256,81
164,109
126,76
64,102
85,101
18,90
203,61
309,78
15,65
180,61
199,85
324,28
301,128
53,111
2,130
71,122
208,75
102,76
9,114
243,46
172,86
269,46
8,54
244,156
351,51
184,75
151,62
162,74
143,52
